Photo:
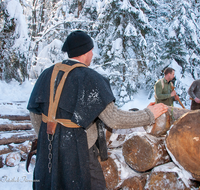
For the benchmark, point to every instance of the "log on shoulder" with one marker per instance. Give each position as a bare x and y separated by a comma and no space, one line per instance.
183,142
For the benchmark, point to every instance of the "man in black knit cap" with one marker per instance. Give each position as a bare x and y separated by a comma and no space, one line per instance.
67,100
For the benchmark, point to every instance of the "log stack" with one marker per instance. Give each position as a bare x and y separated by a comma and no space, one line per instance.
16,134
172,143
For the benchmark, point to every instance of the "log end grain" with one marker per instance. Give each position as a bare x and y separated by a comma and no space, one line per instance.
183,142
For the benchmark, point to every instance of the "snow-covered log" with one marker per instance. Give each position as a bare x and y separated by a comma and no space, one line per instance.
183,143
142,152
169,176
15,117
16,136
163,123
15,126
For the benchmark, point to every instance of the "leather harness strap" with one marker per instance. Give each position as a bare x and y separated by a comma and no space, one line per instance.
54,100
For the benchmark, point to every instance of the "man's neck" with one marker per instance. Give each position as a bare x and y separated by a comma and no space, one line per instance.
72,59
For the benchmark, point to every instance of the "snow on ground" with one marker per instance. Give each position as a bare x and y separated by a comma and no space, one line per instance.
13,101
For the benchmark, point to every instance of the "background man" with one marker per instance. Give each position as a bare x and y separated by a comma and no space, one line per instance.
67,157
163,88
194,92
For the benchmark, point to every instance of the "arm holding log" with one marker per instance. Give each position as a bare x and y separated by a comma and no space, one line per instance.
116,118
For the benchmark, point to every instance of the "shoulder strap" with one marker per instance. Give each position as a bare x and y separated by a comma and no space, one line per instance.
162,82
54,100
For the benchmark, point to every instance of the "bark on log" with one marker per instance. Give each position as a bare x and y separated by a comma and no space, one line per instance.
4,149
16,137
165,181
142,152
183,142
1,162
15,117
163,123
110,172
116,137
10,127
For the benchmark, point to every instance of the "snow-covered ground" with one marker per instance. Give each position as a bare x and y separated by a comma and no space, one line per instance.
13,101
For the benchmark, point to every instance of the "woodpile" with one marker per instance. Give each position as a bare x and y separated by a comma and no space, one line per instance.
16,134
163,156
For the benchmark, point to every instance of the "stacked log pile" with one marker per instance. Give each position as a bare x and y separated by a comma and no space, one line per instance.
165,155
16,134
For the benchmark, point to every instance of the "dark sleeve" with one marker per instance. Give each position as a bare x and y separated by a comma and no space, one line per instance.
192,89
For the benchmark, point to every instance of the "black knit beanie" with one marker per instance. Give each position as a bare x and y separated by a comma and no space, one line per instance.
77,43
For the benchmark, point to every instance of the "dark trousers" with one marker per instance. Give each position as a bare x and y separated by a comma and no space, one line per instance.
97,177
194,105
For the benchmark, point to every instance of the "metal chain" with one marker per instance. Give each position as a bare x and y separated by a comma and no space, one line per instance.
50,151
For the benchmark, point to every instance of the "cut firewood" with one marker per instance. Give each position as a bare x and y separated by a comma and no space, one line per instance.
16,136
183,142
17,126
142,152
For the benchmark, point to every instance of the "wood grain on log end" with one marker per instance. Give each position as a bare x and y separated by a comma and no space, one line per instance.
165,181
183,141
143,152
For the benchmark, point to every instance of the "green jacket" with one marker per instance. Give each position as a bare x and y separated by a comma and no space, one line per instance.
163,92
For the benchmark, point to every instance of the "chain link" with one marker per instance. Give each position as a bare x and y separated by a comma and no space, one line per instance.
50,139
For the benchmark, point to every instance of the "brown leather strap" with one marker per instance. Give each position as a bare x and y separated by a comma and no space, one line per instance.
53,100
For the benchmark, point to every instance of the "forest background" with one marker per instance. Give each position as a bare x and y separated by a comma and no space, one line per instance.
135,40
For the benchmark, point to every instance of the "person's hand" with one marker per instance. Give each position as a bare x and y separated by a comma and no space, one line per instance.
173,93
157,109
197,100
176,97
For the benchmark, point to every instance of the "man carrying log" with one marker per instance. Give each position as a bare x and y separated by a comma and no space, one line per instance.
194,92
163,88
65,103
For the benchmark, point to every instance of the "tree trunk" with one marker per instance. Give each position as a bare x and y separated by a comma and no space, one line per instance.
183,142
16,117
142,152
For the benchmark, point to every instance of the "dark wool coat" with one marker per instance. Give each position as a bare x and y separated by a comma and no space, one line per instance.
85,95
